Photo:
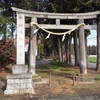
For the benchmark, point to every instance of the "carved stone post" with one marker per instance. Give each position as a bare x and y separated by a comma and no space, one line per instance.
32,61
98,43
20,39
20,81
83,65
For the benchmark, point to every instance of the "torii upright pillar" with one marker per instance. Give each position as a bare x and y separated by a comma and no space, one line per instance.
83,65
32,59
98,43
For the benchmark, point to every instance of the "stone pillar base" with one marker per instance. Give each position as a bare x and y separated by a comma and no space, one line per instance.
20,81
85,78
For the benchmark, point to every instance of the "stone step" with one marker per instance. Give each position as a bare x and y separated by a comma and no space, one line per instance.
43,81
35,75
85,78
36,78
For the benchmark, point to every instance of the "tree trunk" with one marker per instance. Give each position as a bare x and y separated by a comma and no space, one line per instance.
66,49
76,51
98,43
59,47
62,51
69,49
4,32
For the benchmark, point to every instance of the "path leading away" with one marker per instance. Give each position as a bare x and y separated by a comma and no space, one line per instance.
43,62
90,65
47,61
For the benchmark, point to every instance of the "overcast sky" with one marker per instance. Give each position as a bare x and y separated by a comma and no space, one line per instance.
92,38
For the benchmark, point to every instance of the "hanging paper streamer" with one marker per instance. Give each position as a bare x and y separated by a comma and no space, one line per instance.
63,37
48,36
35,31
69,33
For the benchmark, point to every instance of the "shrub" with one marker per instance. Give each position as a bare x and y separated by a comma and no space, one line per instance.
54,62
97,77
7,53
41,49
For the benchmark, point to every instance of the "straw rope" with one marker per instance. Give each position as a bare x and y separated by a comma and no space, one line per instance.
56,33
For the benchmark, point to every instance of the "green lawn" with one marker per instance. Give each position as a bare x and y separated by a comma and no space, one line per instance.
92,59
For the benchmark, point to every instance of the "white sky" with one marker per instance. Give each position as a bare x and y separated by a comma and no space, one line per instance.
92,38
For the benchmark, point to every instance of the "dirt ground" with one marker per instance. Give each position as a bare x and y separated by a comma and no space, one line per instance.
61,88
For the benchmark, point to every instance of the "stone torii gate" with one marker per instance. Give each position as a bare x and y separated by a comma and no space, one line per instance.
20,81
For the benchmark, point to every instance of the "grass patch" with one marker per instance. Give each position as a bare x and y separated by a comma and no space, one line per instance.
97,77
65,69
92,59
52,67
55,67
57,70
